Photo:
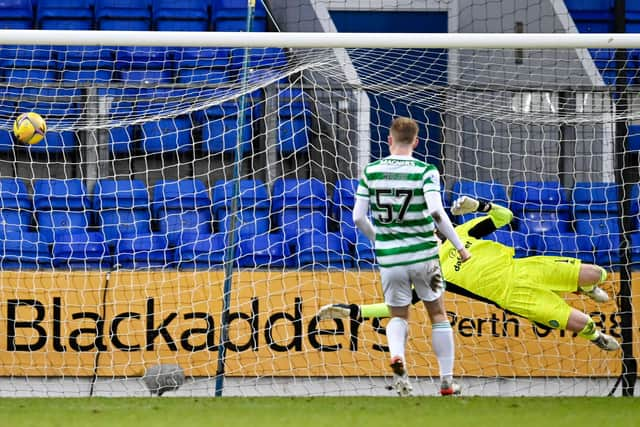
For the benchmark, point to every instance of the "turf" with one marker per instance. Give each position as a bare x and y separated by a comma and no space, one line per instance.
319,411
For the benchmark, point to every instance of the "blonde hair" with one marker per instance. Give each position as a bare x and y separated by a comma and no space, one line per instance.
404,130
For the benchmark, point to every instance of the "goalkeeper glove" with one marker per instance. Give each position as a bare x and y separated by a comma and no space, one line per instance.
464,205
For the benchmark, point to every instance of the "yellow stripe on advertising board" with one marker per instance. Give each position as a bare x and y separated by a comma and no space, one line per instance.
53,323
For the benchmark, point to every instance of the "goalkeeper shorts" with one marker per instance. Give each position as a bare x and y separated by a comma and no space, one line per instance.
538,282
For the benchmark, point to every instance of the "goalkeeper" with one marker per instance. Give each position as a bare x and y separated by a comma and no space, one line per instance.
529,287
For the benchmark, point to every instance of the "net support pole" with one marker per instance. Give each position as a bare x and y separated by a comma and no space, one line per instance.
231,231
626,177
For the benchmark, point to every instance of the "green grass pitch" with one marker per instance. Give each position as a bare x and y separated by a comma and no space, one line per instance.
320,411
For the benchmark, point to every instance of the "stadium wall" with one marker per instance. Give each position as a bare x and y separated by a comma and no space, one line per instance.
150,317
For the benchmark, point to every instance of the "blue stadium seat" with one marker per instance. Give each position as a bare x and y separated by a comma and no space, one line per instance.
122,207
341,210
597,215
294,121
231,15
27,56
252,207
592,16
183,210
124,15
490,191
20,247
299,206
204,75
121,105
605,61
64,15
8,108
166,135
633,139
143,251
186,15
16,14
568,244
22,76
264,251
204,57
317,249
56,142
541,207
144,58
632,9
62,213
24,250
85,63
220,131
202,251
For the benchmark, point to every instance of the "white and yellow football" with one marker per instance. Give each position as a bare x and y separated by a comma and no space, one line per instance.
29,128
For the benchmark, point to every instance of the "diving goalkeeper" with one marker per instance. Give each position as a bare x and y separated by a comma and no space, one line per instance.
529,287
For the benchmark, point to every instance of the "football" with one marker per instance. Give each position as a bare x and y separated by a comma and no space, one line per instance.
29,128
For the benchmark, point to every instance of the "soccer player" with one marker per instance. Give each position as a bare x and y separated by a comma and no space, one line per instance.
404,196
528,287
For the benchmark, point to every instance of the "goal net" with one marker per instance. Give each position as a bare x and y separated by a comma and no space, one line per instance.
189,210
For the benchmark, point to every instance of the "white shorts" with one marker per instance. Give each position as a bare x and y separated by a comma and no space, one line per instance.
426,278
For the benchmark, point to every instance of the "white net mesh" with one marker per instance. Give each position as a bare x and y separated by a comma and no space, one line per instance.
162,164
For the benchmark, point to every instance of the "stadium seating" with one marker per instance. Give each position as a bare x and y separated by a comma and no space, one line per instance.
20,247
125,15
299,206
62,214
317,249
212,65
64,15
231,15
122,210
592,16
490,191
541,207
221,128
186,15
183,210
150,66
85,64
632,9
16,14
294,121
252,211
597,215
203,251
341,209
164,134
262,251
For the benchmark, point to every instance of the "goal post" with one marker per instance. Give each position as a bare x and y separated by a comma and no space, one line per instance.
190,208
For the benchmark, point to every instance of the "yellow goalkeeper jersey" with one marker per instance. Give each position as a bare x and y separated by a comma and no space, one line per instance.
490,271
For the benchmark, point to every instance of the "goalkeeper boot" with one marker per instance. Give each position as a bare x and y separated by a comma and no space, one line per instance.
596,293
336,311
400,377
606,342
450,388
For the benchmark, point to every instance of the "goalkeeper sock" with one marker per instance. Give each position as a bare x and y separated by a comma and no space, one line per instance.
603,277
374,310
397,336
443,347
589,331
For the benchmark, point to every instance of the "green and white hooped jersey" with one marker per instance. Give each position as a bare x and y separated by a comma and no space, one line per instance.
395,187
